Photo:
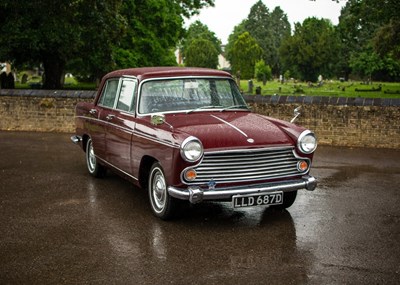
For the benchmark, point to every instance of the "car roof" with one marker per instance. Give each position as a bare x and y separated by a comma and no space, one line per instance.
142,73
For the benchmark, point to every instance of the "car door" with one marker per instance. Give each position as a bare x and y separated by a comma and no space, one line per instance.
120,126
99,113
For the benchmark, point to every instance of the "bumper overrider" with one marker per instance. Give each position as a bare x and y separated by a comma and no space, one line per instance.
196,194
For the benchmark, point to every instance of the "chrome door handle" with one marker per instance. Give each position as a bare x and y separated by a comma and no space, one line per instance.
110,117
93,112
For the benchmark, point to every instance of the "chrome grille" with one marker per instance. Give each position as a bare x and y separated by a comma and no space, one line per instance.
247,165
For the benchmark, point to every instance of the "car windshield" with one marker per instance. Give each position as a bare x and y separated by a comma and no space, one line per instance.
190,94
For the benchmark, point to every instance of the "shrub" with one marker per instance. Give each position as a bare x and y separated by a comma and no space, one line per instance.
261,70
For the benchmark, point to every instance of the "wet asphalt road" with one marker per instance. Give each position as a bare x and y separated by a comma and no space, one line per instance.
58,225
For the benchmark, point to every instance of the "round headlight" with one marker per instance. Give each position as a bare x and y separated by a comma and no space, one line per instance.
191,149
307,142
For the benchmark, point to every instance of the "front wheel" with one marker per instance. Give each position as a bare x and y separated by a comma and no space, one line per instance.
95,169
162,204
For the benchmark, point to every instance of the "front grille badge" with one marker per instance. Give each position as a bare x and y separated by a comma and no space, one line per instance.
211,184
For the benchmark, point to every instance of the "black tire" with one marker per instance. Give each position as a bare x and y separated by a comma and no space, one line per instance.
94,168
288,200
162,204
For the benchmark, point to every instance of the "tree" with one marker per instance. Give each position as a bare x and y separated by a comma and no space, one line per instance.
365,64
269,29
367,26
386,41
258,24
280,28
312,50
262,71
199,31
145,43
237,31
53,32
245,53
201,53
93,36
191,7
369,65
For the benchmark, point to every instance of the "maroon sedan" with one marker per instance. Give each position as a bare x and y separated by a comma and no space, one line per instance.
187,134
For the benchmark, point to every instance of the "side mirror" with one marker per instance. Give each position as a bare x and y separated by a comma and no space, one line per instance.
296,114
157,119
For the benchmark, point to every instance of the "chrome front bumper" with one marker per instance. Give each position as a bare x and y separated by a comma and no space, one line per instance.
196,194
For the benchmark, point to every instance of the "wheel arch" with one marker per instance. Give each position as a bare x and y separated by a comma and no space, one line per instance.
85,138
144,170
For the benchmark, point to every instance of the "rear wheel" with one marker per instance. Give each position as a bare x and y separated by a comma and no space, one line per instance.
162,204
288,200
95,169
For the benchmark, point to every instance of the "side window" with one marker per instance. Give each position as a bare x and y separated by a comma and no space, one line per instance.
126,95
109,93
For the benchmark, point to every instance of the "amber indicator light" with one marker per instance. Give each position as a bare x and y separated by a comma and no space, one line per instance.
302,165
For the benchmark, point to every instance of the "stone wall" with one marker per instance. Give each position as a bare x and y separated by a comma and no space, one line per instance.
352,122
40,110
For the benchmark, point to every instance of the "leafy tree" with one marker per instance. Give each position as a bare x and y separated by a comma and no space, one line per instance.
386,41
262,71
365,63
201,53
258,24
52,32
200,47
245,53
145,43
280,28
237,31
366,24
198,30
93,36
312,50
191,7
269,29
370,65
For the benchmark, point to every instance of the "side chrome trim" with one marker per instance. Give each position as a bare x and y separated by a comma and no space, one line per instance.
196,194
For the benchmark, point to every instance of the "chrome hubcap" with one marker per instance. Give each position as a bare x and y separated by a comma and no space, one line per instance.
159,190
91,158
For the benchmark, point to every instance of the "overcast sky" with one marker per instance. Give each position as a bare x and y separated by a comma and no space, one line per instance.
228,13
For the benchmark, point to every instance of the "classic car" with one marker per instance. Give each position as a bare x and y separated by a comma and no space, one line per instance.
188,134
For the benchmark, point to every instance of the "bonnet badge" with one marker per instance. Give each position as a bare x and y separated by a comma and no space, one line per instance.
211,184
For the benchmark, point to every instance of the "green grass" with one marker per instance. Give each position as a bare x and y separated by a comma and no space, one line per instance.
70,83
329,88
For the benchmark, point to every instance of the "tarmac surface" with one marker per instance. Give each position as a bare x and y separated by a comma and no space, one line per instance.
58,225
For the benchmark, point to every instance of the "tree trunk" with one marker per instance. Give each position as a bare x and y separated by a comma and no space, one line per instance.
53,72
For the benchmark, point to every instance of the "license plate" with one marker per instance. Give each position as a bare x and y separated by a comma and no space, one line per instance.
241,201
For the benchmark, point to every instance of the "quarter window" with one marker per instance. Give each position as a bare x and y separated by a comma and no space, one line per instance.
110,92
126,95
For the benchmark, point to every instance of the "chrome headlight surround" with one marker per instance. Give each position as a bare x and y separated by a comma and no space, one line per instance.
307,142
191,149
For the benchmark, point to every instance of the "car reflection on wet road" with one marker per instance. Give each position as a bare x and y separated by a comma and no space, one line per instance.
60,225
